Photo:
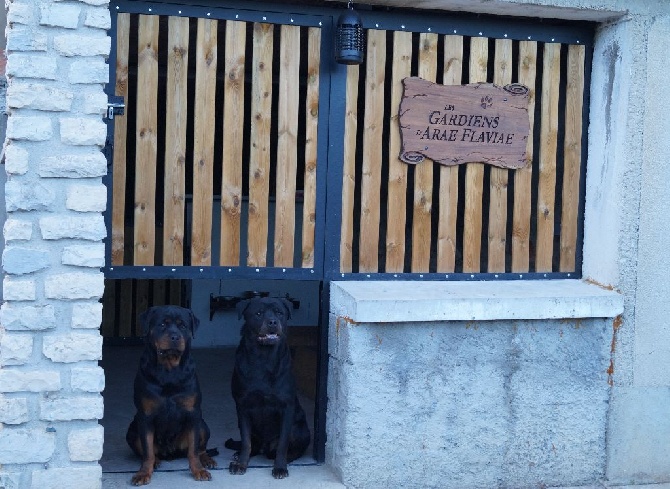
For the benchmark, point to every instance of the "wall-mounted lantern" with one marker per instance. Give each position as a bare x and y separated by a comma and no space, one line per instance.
349,37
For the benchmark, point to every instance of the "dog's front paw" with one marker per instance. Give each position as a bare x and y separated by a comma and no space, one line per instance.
141,478
201,475
207,461
279,473
236,468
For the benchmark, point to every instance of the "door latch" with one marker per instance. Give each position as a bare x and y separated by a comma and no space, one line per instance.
115,109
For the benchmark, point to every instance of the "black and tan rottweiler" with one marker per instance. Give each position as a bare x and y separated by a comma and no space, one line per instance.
269,416
168,423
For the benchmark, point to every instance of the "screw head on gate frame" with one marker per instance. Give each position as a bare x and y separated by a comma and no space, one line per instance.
349,37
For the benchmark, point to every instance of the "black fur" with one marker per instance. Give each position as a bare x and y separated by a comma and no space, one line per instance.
269,416
167,396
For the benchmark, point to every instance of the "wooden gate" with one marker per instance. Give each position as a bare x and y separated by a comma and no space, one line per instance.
215,161
239,121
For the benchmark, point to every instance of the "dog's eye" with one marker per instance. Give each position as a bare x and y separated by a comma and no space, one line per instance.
182,326
259,313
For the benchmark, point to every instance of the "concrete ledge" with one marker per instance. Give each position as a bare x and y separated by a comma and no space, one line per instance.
381,302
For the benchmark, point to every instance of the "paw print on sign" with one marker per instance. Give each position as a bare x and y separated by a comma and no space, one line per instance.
487,102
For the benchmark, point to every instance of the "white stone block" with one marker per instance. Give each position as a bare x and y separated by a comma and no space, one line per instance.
18,289
90,70
86,315
79,45
25,195
84,255
15,349
71,408
15,317
66,16
23,446
29,128
73,347
17,260
77,285
26,39
13,411
17,380
86,445
83,131
39,97
98,18
18,230
87,379
31,66
94,102
86,198
21,13
90,227
17,159
89,477
86,165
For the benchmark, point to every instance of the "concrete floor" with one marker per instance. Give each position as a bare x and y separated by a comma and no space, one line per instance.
214,366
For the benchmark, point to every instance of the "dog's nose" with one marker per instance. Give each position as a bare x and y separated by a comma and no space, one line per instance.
273,325
174,337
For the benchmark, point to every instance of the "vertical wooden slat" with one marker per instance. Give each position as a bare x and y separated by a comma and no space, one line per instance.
203,145
125,308
397,190
448,199
147,125
233,126
259,164
372,157
423,173
158,292
141,303
522,176
174,292
547,169
349,170
289,73
311,126
474,177
497,229
120,141
573,156
175,141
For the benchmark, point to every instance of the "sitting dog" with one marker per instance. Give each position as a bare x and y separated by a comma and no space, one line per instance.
269,416
168,423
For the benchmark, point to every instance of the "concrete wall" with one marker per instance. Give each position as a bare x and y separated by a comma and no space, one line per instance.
420,398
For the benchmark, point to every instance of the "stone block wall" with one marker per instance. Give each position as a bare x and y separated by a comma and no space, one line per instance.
50,381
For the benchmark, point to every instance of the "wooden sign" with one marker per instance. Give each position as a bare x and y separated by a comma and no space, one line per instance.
454,124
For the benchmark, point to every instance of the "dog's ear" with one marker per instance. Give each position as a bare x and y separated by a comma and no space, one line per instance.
195,322
289,307
145,320
241,307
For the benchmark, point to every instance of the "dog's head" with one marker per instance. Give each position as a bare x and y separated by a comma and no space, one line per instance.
264,319
168,330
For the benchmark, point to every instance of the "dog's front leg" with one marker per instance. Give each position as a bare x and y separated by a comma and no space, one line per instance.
280,470
143,476
199,472
239,466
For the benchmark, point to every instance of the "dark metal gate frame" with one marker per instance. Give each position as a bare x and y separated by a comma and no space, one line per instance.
331,148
